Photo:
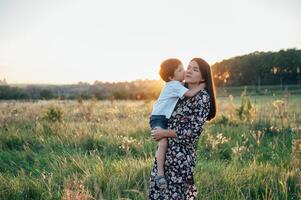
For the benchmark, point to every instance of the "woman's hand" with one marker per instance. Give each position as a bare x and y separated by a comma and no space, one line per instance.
158,133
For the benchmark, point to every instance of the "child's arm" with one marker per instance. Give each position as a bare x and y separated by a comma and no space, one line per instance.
177,89
194,91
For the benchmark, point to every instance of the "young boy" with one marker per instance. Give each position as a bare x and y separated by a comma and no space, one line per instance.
172,72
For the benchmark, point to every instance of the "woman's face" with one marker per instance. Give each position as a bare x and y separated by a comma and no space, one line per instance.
193,73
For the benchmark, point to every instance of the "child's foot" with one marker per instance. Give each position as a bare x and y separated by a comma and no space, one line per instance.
161,182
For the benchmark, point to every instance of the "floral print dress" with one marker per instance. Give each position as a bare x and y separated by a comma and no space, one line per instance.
187,119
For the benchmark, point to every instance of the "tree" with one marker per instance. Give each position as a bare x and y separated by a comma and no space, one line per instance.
46,94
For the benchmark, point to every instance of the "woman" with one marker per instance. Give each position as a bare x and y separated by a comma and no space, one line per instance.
184,127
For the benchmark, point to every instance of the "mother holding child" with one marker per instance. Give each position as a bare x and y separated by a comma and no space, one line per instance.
177,120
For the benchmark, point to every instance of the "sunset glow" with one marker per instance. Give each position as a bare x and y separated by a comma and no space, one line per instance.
71,41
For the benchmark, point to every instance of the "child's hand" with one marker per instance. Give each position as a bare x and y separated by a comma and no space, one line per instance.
158,133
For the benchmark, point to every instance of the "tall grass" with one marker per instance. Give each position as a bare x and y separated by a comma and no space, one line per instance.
103,150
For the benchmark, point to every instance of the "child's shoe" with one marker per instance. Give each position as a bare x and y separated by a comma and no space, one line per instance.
161,182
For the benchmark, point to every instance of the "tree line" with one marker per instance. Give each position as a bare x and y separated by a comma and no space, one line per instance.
259,68
135,90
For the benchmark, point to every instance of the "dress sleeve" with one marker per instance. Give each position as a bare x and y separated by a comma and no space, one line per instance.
188,130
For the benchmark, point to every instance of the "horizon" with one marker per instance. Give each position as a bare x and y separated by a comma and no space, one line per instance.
66,42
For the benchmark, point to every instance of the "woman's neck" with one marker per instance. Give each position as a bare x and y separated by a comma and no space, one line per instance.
194,85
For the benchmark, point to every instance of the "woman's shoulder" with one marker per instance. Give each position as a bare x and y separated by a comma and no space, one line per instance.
203,95
203,92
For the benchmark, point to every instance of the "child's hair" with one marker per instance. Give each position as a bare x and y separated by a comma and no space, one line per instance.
168,68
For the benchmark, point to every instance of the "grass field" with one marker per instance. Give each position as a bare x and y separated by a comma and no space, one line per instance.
103,150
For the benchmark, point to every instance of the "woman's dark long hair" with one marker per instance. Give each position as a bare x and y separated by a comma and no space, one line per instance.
210,87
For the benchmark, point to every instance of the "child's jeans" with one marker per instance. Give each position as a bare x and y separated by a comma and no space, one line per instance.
158,121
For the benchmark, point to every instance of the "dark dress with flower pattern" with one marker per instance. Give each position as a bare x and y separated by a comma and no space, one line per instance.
187,119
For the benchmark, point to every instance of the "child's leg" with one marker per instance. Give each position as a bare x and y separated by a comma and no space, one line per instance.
160,155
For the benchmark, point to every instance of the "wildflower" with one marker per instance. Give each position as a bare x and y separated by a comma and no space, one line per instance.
216,142
237,151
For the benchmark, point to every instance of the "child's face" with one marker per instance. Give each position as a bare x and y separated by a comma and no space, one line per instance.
179,73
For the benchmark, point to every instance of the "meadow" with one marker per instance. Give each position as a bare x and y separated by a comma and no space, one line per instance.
102,149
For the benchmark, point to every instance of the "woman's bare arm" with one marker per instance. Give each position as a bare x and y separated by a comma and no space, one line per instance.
159,133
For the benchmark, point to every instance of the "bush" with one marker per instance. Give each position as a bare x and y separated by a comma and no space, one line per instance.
54,114
245,110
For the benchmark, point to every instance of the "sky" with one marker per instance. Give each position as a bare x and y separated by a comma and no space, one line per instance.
67,41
